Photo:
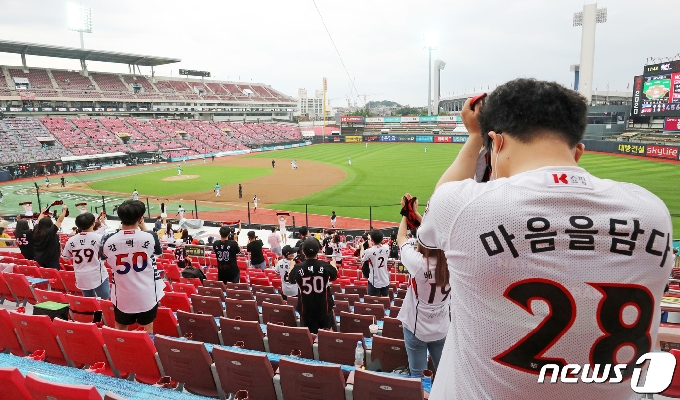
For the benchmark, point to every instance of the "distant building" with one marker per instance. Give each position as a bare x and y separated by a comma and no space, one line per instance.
312,106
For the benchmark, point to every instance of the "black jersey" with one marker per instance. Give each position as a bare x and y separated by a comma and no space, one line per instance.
312,277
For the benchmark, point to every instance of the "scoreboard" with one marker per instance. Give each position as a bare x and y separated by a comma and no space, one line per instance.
657,91
192,72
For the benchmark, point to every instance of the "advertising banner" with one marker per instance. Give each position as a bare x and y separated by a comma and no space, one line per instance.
424,139
353,139
406,138
392,119
62,109
371,120
388,138
49,109
432,118
372,138
671,124
459,139
409,119
337,139
73,109
442,139
637,92
16,109
449,118
351,119
87,109
638,149
662,152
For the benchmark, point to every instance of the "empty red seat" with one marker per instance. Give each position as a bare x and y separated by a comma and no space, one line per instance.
20,287
84,309
268,297
83,344
42,296
4,291
356,323
262,289
375,310
172,273
188,362
69,280
176,301
36,332
341,305
393,328
54,277
338,347
28,270
12,384
360,290
8,337
187,288
285,339
390,352
166,323
249,333
133,352
311,381
245,310
202,327
350,298
239,294
376,386
278,314
207,305
244,371
217,284
674,389
42,389
385,301
211,291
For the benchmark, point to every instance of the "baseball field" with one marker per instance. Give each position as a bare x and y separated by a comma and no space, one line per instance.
324,181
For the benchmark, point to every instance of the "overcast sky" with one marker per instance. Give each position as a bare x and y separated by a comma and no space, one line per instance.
284,43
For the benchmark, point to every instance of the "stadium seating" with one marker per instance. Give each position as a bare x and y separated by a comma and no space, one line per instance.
338,347
8,337
376,386
247,332
278,314
36,332
13,385
187,362
200,327
83,344
244,371
207,305
42,389
133,352
314,382
285,339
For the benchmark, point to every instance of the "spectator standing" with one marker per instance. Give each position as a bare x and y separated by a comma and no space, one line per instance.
282,229
226,250
91,276
131,253
255,200
46,240
337,246
312,277
158,225
24,236
164,213
180,212
509,242
283,268
180,256
3,234
425,313
379,273
274,240
254,247
169,235
333,219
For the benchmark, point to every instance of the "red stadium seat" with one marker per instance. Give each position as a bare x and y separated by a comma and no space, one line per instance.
269,298
246,310
22,290
173,273
244,371
335,288
133,352
69,280
353,289
217,284
237,286
262,289
108,315
239,294
394,311
84,309
28,270
42,389
36,332
390,352
47,295
166,323
55,279
187,362
338,347
311,381
212,292
202,327
8,336
385,301
351,298
292,301
375,310
83,344
248,332
278,314
674,389
376,386
187,288
393,328
341,306
207,305
285,339
5,292
176,301
13,385
356,323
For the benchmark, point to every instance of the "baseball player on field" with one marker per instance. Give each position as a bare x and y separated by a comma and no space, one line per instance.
217,190
549,264
179,170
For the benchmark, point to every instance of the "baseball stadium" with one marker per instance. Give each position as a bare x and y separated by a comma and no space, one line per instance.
188,237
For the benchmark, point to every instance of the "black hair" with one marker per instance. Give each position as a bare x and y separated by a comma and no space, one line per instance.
303,231
273,229
393,236
376,236
336,238
40,231
21,228
251,235
131,211
84,221
185,234
527,108
224,231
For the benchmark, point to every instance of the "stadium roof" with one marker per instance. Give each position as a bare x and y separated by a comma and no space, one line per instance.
83,54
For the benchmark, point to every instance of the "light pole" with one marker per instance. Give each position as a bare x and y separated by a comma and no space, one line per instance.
430,44
80,20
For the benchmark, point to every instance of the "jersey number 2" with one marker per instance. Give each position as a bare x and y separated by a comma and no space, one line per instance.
527,354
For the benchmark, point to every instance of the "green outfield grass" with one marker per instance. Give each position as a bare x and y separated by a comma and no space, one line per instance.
151,183
380,174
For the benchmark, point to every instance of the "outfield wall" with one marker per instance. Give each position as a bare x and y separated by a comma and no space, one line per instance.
637,149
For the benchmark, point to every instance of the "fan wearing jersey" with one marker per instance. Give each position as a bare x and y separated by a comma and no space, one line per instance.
549,264
283,268
336,245
312,277
180,255
131,254
376,256
91,276
425,313
226,251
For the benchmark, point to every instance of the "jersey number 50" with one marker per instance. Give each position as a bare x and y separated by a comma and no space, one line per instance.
527,354
139,262
316,286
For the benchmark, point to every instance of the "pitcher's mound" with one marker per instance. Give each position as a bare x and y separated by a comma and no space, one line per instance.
179,178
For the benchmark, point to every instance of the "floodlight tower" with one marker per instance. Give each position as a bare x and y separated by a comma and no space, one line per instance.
431,42
80,20
588,18
438,67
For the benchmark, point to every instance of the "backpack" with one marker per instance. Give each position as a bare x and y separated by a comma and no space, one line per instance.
191,272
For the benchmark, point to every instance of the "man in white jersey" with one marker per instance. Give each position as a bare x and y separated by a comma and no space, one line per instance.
180,212
135,195
548,264
283,268
91,276
131,253
379,273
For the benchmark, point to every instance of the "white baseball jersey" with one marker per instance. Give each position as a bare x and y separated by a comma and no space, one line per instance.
135,195
550,266
425,311
283,269
282,225
379,275
337,250
83,248
180,211
131,254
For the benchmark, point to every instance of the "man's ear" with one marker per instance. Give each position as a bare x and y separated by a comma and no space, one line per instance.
496,140
578,151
